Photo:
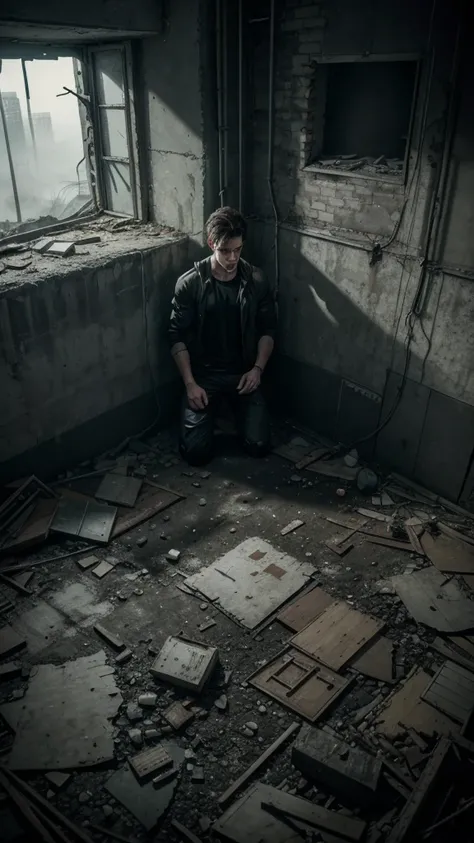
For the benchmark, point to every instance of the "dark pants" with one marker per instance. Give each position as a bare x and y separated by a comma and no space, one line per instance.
197,426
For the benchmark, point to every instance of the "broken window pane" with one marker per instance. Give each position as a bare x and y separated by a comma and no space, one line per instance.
367,113
118,187
46,144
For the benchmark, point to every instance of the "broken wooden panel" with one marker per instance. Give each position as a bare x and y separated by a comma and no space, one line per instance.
300,683
435,600
185,663
120,490
314,816
147,505
150,761
251,581
451,691
448,554
405,709
337,635
376,660
64,720
144,801
247,821
36,527
177,715
305,609
85,519
346,771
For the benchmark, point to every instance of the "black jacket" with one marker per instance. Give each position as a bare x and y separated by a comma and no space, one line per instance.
257,306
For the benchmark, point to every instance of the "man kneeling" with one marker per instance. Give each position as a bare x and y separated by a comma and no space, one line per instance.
222,333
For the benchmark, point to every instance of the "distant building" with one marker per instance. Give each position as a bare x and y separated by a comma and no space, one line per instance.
14,120
43,127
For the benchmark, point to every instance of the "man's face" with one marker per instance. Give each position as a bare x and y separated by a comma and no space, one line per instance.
227,253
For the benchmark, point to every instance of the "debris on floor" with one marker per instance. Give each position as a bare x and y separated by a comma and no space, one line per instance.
353,611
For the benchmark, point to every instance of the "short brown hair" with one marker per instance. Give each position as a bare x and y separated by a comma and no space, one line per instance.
224,224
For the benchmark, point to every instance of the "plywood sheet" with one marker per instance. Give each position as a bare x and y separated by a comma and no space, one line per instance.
405,709
36,528
64,720
435,600
336,636
305,609
120,490
146,507
300,683
246,821
449,554
451,691
252,580
377,660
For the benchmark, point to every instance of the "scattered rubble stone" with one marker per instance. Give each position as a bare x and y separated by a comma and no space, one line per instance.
221,702
198,774
142,541
147,700
135,736
134,712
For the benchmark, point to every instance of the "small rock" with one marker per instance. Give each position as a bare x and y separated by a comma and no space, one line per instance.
197,485
134,713
84,796
352,458
147,700
196,742
202,501
295,478
50,794
203,606
252,726
262,709
173,555
18,695
108,810
141,541
247,732
135,736
204,475
198,774
232,530
221,702
189,755
138,591
204,824
151,734
340,492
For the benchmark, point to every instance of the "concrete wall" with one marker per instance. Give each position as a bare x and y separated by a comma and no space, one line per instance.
178,77
84,359
343,304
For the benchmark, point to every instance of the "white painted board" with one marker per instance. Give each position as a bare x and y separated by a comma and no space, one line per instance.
252,580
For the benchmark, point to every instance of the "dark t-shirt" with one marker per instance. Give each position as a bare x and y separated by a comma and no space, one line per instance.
222,330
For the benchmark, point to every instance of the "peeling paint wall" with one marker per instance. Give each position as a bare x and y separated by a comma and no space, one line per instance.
84,359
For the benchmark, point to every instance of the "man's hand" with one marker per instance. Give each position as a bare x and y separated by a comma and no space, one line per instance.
197,396
249,382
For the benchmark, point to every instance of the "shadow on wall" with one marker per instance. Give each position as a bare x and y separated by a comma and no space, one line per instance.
341,355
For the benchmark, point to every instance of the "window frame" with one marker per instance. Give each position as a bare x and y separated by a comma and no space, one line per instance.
369,58
89,63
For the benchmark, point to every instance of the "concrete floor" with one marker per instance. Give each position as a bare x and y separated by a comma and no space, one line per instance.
140,601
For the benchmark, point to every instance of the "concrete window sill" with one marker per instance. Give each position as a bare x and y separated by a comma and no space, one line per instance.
360,175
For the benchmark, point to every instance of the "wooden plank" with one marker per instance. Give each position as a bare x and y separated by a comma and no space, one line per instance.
144,510
17,586
405,709
184,832
10,641
26,810
448,555
443,648
414,540
313,456
300,683
336,635
451,691
390,543
47,806
36,528
305,609
374,514
376,660
258,763
454,534
291,527
420,794
350,828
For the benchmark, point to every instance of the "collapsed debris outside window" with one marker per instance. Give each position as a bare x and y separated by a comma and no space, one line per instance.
43,177
362,119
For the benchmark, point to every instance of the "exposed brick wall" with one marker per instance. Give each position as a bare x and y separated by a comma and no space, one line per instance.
305,197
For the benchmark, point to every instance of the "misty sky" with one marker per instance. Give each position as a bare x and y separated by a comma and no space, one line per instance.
46,79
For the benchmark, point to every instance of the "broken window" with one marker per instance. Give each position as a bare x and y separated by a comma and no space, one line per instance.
114,119
362,114
43,176
68,144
